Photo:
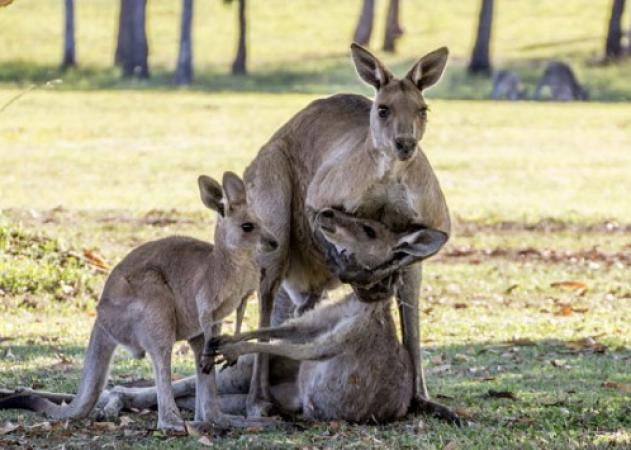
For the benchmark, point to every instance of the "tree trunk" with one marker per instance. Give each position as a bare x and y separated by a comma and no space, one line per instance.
393,26
184,70
239,64
480,61
69,43
364,25
132,49
613,45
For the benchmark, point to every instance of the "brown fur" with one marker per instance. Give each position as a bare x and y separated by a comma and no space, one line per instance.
338,152
177,288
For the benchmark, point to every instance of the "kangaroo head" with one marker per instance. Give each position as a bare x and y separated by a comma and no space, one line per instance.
238,228
399,113
371,243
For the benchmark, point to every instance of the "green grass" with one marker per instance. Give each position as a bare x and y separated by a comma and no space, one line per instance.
539,193
302,46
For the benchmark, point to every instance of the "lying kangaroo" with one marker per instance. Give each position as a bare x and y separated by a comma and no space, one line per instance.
362,157
564,86
506,85
168,290
354,367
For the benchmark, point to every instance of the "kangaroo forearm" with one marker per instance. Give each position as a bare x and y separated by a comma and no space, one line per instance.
300,352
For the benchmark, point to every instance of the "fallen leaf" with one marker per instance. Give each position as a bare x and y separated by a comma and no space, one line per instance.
440,369
511,288
126,420
8,427
565,310
501,394
334,425
622,387
558,362
205,440
522,342
95,260
587,344
106,426
451,445
464,413
43,426
569,285
438,359
460,305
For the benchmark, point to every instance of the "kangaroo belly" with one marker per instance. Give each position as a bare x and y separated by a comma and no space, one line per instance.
371,386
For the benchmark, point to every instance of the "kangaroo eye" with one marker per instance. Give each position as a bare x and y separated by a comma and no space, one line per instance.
369,232
247,227
383,111
423,112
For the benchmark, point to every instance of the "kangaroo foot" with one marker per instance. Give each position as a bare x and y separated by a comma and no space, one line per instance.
424,406
259,409
171,423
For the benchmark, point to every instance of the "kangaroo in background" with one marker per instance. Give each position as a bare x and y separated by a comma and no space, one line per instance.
353,366
564,86
506,85
360,156
178,288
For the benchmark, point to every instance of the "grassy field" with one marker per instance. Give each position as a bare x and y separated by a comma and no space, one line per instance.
530,298
302,46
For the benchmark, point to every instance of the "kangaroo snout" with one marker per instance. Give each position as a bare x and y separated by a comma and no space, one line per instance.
267,243
326,220
406,146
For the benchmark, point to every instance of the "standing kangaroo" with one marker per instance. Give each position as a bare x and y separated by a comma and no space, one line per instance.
362,157
353,366
178,288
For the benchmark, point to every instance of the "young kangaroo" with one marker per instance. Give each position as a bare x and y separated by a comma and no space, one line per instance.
353,366
178,288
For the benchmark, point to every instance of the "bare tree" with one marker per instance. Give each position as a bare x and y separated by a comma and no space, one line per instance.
68,59
613,45
184,70
480,60
239,64
393,26
363,31
132,50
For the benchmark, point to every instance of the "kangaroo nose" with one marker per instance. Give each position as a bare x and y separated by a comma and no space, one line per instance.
405,147
273,244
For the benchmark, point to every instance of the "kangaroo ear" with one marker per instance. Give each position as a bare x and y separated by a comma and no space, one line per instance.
421,244
234,189
369,68
428,70
211,193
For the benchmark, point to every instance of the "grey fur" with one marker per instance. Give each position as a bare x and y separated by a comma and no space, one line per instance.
338,152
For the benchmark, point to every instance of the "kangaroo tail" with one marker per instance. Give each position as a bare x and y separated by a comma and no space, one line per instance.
95,372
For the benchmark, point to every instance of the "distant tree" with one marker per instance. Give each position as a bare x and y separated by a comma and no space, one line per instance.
393,26
132,50
68,59
184,70
480,60
363,31
239,64
613,44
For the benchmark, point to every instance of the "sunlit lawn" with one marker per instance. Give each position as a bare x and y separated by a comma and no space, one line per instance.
539,193
530,298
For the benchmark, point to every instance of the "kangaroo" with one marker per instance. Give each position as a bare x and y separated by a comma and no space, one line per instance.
177,288
353,366
354,342
564,86
362,157
506,85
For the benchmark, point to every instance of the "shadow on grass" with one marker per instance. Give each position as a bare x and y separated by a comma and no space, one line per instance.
319,76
